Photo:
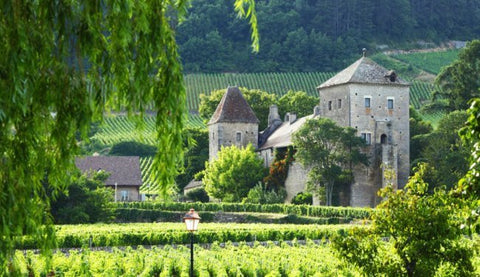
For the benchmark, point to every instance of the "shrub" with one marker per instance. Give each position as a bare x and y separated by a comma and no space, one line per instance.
303,198
260,195
132,148
198,195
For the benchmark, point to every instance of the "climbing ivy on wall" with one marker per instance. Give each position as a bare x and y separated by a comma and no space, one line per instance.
277,174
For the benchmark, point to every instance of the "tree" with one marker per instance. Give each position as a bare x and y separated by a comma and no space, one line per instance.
412,233
419,130
298,102
445,152
63,64
329,152
196,154
460,81
469,186
233,173
87,201
259,101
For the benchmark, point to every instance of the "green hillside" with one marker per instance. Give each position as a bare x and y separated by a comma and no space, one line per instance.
278,83
431,62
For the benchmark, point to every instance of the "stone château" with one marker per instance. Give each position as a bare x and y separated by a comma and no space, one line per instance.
364,96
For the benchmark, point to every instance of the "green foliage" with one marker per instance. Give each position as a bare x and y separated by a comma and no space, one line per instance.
431,62
328,150
86,201
319,36
297,102
164,233
64,64
198,195
119,128
445,152
233,173
303,198
132,148
300,210
196,154
460,80
469,186
279,84
275,82
261,195
406,71
423,233
253,259
259,101
419,130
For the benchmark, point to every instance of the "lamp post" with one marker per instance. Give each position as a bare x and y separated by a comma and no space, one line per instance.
191,220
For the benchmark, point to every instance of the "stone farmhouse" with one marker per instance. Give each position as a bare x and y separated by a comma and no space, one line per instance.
125,175
364,96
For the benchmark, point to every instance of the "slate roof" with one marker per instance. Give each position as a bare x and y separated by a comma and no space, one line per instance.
193,184
282,136
364,71
125,171
233,108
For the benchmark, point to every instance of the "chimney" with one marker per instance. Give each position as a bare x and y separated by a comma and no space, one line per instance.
290,117
273,115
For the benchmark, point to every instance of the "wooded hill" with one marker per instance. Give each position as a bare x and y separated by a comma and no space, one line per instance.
317,36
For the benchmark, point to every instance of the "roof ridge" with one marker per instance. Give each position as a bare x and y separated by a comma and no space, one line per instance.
363,70
233,108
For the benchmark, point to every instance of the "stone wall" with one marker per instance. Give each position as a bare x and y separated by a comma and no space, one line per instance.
132,192
225,134
296,181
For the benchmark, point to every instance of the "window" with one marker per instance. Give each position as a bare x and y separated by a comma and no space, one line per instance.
239,137
124,195
367,137
390,103
367,102
339,103
329,105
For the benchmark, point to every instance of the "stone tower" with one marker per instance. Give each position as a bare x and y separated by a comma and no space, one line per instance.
233,123
375,102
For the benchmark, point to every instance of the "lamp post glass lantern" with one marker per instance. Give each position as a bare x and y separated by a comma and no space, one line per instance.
191,220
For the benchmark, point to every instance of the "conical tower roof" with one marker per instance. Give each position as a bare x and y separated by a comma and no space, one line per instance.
233,108
364,71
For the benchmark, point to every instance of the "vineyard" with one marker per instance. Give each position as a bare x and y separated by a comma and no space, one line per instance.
277,83
100,235
119,128
431,62
268,259
302,210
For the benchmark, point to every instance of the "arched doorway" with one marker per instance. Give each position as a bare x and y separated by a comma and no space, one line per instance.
383,139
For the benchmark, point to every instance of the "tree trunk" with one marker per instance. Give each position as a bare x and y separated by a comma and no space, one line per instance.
329,193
